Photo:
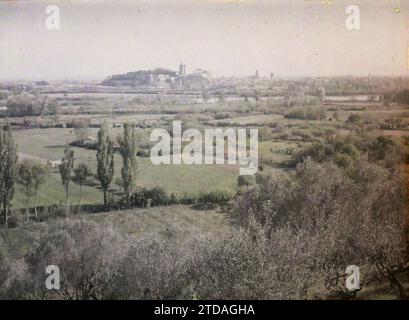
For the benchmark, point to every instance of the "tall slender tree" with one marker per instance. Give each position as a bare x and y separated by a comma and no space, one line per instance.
105,159
66,168
2,167
31,175
8,170
39,177
25,179
81,175
3,155
127,147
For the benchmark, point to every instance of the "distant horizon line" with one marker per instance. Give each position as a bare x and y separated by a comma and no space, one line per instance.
99,80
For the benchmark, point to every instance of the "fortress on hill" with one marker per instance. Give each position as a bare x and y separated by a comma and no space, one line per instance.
161,78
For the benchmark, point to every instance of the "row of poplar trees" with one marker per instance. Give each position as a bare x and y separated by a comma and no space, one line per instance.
127,147
105,160
105,165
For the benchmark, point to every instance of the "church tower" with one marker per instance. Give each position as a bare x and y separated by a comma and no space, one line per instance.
182,69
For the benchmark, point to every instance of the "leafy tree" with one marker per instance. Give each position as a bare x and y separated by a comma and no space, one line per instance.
127,147
31,175
105,159
66,168
8,170
25,104
81,175
81,129
380,147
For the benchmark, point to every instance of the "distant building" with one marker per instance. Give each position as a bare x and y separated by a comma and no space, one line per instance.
161,79
41,83
149,78
256,75
54,163
182,69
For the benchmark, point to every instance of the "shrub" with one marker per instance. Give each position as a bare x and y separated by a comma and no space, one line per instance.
245,181
156,196
214,197
307,113
14,220
142,153
138,199
343,160
153,268
173,199
84,251
354,118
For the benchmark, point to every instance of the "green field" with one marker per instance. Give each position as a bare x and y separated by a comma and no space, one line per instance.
276,151
182,180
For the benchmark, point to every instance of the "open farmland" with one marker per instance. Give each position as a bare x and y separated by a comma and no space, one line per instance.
287,136
182,180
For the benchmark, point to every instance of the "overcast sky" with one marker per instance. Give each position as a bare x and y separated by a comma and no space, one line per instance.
226,37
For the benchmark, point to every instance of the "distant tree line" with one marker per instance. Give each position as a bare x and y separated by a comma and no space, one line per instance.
25,104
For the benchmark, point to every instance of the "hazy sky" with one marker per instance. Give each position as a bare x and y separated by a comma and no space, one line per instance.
226,37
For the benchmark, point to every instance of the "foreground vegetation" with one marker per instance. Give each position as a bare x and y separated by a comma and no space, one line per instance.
329,218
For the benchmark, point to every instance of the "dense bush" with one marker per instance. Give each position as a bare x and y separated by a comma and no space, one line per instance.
245,181
153,197
143,153
307,113
219,198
